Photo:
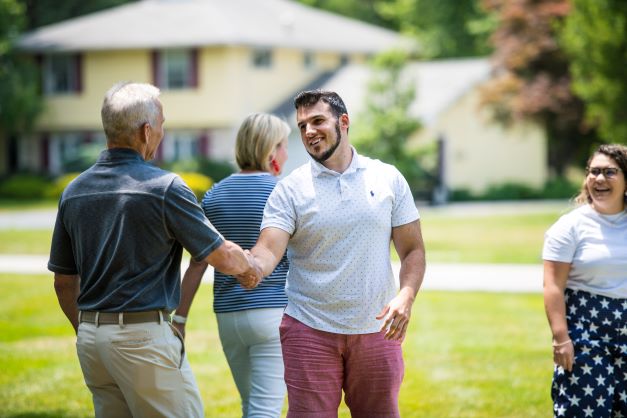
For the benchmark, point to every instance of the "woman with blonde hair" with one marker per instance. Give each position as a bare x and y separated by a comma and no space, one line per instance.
248,319
585,293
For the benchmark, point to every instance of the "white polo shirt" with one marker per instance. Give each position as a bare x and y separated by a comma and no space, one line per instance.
340,275
596,247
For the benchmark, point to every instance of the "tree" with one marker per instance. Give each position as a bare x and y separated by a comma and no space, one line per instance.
45,12
595,37
532,79
364,10
444,28
19,96
383,127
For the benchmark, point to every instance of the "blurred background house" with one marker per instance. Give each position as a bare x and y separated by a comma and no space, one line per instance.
215,61
509,117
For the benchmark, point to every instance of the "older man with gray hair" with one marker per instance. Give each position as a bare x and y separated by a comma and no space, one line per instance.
116,253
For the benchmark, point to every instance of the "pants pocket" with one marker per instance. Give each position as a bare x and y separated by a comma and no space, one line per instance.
178,335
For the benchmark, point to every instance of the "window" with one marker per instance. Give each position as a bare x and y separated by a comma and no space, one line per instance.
62,73
262,58
175,68
180,146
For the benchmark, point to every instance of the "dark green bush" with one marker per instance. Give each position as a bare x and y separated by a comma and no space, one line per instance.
24,186
558,188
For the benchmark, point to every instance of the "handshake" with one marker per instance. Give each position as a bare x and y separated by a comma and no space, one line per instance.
250,278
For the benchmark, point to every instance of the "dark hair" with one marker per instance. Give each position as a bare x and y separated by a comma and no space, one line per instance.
311,97
617,153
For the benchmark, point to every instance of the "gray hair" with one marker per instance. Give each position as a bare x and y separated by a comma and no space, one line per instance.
126,108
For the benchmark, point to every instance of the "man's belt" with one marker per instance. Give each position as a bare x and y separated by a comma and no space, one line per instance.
102,318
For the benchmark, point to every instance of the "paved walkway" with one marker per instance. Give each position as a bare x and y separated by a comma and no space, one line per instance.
450,277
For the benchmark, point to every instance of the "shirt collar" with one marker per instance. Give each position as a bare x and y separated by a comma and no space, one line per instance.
119,154
357,162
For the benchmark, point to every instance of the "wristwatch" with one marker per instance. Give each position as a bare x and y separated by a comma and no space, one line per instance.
179,319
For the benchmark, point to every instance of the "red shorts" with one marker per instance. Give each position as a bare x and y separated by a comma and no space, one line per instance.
319,365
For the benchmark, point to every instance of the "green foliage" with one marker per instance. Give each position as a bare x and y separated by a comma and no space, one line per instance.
365,10
20,102
45,12
444,28
24,186
557,188
59,185
216,170
199,183
532,79
382,129
595,37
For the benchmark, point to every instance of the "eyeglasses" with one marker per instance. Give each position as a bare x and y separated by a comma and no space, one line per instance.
608,172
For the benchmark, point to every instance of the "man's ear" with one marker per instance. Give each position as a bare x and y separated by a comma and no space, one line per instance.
344,121
145,133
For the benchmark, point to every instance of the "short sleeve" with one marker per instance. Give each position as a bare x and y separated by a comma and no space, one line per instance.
560,241
61,255
186,222
279,211
404,210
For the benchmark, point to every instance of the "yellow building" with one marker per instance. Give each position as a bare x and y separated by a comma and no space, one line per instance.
214,60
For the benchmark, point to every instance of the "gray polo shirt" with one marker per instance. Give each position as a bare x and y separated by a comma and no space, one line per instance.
121,226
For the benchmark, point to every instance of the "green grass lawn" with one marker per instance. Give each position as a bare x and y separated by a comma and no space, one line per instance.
466,355
468,239
486,239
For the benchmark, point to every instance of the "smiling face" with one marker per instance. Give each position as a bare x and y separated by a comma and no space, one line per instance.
606,192
320,130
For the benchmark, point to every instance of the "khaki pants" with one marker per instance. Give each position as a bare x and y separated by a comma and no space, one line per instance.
137,370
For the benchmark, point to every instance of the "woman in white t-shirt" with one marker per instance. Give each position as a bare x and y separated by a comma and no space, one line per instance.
585,293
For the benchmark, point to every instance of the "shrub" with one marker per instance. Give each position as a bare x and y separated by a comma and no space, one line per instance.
199,183
214,169
560,188
59,185
557,188
24,186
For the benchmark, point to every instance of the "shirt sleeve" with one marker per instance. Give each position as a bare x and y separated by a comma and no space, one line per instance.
186,222
560,241
404,210
61,254
279,211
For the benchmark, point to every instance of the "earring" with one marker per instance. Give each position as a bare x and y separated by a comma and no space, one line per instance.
275,166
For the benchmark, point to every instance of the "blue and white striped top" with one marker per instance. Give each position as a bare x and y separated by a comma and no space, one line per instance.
235,207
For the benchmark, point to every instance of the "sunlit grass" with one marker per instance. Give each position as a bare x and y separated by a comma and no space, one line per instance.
466,355
471,239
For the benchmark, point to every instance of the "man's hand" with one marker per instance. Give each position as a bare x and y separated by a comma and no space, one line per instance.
251,277
396,314
180,328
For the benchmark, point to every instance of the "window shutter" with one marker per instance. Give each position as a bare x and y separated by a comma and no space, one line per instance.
156,68
78,81
203,144
193,68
